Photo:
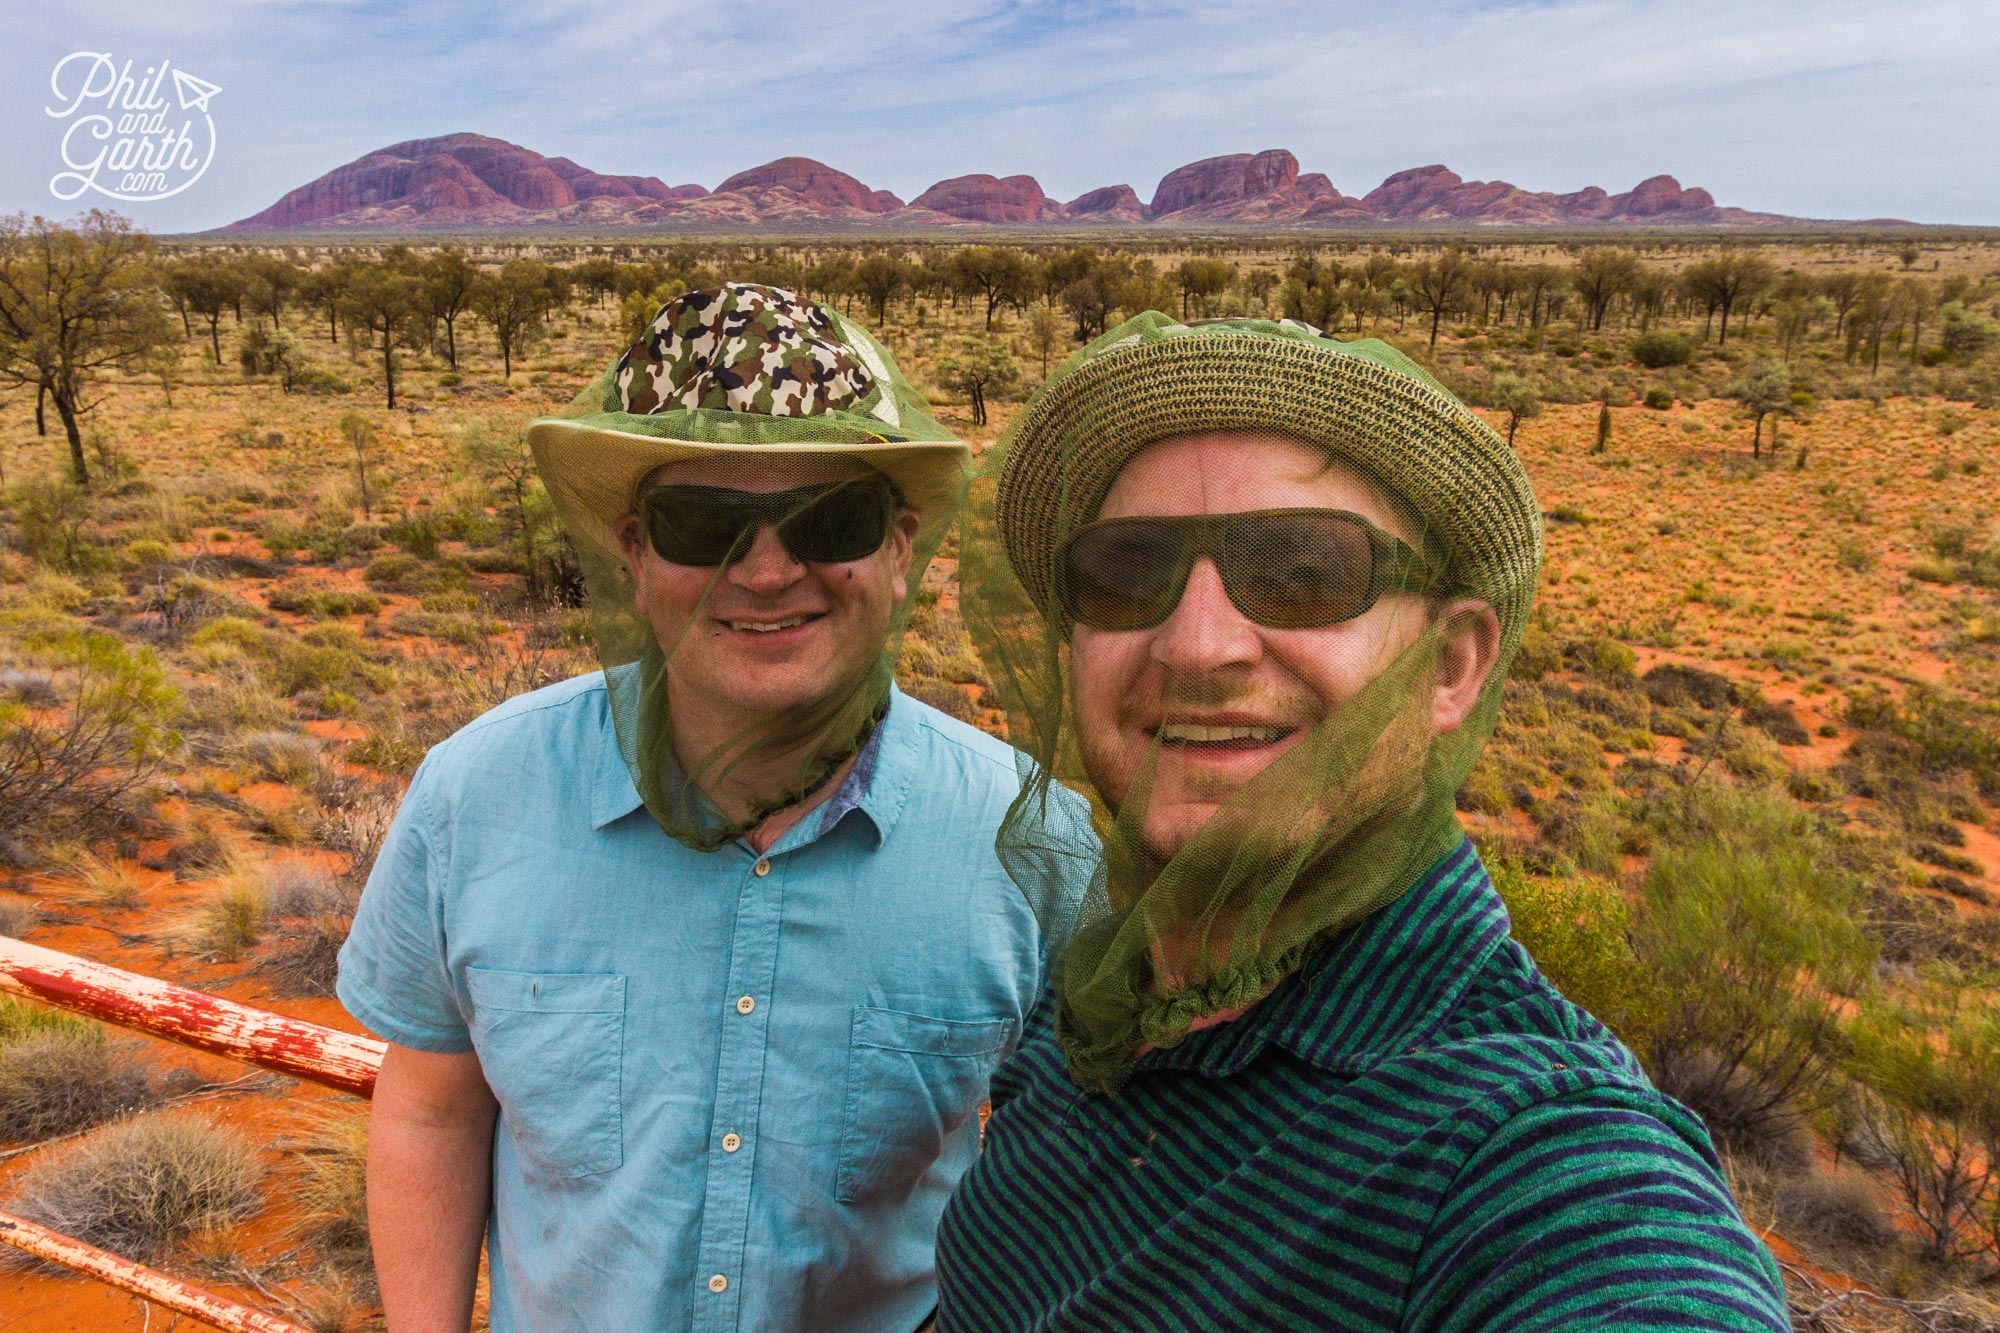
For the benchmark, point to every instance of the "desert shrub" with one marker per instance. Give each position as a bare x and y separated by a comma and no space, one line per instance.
1749,923
1660,348
1839,1211
326,665
1582,832
1538,654
141,1187
1604,657
416,533
18,918
1776,721
389,571
1669,684
1575,928
1659,399
451,627
238,633
71,764
325,604
59,1074
332,1190
103,881
279,756
1934,732
1932,1070
1752,756
228,922
54,521
1485,790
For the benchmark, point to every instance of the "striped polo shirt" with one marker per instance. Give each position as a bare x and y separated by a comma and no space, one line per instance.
1416,1131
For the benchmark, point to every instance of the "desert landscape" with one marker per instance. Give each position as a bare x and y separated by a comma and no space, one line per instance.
279,534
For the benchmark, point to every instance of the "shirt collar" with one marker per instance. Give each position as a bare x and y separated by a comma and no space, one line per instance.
875,786
1382,987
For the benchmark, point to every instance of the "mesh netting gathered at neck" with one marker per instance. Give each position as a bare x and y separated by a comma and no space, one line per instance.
748,389
1198,881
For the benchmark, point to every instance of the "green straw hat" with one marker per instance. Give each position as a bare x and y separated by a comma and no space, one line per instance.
1152,377
746,370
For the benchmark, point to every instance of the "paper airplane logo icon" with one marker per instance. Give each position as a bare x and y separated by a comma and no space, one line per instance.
194,93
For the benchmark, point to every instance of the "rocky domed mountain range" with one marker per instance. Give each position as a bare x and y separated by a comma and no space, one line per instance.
471,182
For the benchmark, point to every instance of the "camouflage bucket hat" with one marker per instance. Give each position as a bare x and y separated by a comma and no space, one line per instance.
742,368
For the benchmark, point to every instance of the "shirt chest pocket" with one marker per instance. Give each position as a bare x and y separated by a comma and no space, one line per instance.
912,1080
551,1045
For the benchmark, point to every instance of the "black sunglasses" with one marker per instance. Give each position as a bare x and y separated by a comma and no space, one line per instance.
715,525
1284,568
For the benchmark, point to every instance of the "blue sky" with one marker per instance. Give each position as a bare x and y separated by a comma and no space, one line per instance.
1820,108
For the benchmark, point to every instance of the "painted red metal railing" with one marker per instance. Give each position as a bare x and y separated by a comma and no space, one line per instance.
192,1018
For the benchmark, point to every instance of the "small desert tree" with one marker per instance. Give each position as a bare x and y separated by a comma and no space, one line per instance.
515,303
384,307
977,369
1764,389
996,273
1045,334
1517,398
209,287
359,432
1201,281
449,280
881,278
75,301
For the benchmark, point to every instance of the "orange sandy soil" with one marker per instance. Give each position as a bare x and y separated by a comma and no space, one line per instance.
1681,555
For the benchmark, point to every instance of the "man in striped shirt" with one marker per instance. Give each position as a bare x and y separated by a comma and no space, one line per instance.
1293,1071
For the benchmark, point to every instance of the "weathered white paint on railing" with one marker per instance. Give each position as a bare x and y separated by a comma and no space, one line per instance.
192,1018
157,1287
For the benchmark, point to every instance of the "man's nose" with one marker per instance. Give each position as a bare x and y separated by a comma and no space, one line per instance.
767,567
1205,630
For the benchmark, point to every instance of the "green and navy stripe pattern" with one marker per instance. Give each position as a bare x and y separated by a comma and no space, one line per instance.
1415,1132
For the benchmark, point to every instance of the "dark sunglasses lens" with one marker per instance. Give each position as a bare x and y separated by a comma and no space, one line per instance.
697,525
1290,571
1123,575
847,522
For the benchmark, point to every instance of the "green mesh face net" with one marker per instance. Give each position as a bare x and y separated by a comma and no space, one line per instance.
744,671
1256,779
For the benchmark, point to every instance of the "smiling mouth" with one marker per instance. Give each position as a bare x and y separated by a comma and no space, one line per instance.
769,626
1223,738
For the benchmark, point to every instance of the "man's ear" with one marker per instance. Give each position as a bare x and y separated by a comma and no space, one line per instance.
631,536
902,545
1466,653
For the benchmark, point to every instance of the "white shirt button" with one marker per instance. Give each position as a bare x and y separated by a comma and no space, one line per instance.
718,1284
731,1142
744,1004
762,868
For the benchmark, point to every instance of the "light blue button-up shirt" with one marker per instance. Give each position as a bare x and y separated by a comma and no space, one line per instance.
734,1091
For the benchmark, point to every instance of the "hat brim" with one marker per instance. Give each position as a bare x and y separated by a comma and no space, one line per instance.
593,473
1071,441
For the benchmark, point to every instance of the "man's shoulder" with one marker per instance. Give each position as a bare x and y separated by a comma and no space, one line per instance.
938,735
563,710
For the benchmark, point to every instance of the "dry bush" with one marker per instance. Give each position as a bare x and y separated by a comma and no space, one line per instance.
105,883
230,922
67,766
279,756
1833,1212
140,1188
60,1074
332,1188
18,918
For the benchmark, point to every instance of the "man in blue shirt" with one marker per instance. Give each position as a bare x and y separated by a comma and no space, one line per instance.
694,970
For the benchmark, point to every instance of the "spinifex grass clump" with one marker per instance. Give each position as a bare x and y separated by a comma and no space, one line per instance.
59,1074
140,1188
